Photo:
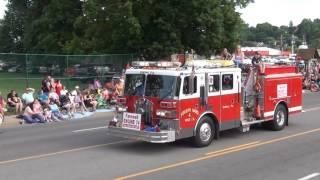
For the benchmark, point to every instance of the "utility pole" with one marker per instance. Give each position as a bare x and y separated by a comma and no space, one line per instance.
292,44
281,43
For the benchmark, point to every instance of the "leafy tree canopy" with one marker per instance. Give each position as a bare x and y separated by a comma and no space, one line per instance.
155,28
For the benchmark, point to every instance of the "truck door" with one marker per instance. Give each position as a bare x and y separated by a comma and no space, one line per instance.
230,100
190,100
214,94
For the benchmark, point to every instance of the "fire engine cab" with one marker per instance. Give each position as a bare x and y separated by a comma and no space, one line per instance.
163,101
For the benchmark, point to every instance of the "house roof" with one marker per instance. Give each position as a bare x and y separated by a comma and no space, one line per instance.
310,53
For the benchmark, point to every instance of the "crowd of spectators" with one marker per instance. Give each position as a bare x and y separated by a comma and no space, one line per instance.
54,102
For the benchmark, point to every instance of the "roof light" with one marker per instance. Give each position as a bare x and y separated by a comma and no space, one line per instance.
204,63
164,64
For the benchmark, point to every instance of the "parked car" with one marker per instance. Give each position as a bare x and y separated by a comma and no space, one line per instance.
101,70
19,68
50,69
43,69
3,64
77,70
13,69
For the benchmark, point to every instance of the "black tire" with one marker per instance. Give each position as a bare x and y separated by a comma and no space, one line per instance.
280,118
207,127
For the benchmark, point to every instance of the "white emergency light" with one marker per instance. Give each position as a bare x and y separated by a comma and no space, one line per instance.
163,64
209,63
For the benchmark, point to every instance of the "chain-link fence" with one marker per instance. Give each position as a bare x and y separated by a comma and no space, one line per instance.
18,71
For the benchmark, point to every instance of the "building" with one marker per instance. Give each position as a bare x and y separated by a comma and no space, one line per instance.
264,51
310,53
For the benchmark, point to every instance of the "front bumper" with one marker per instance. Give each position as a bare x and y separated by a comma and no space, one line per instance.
164,136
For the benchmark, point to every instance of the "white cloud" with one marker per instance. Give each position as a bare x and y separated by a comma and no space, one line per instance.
280,12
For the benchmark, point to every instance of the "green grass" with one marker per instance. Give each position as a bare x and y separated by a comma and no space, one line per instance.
19,81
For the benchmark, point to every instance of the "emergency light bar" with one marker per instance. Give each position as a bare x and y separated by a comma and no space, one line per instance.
209,63
163,64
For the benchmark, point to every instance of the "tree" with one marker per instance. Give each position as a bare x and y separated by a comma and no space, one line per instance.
156,28
51,25
13,26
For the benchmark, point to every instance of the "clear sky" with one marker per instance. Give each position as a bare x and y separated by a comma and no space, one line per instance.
280,12
276,12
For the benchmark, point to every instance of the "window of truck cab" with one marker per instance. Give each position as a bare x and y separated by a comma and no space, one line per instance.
134,84
189,85
161,86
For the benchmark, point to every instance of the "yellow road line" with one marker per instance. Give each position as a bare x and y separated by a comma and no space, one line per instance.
231,148
59,152
216,154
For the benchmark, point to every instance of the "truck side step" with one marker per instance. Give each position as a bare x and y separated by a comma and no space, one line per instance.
248,123
245,124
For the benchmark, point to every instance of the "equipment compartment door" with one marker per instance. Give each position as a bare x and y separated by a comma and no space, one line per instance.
230,100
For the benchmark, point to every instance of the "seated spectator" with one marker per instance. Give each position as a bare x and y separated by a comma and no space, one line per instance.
106,94
101,100
2,105
79,101
29,116
66,103
108,85
27,97
97,84
46,85
52,83
64,91
47,115
14,101
55,112
225,55
43,98
53,96
90,101
58,87
118,87
38,111
256,59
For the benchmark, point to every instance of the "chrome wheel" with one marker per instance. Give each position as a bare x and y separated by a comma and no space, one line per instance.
205,132
280,118
1,119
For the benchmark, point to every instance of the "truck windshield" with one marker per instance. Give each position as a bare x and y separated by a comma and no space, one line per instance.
156,85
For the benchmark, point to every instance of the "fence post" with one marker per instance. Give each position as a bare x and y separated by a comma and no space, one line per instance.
68,77
27,69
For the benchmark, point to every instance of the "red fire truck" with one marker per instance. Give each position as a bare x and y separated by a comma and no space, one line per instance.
163,102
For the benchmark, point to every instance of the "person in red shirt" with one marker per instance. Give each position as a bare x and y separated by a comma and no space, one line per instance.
58,87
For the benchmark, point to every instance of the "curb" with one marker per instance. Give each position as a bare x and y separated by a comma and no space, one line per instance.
13,121
10,121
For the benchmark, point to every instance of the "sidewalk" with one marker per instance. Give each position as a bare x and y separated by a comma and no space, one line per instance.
12,120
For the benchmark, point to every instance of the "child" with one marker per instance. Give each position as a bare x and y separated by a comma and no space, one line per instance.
55,112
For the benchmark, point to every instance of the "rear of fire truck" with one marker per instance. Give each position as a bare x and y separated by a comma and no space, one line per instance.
270,95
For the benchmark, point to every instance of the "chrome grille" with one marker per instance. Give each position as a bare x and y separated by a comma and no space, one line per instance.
145,107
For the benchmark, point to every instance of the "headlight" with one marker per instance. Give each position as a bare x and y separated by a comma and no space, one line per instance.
122,109
171,114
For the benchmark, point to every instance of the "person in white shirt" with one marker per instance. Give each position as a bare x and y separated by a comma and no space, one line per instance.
27,97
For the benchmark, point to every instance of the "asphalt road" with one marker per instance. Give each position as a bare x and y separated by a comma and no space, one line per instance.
82,150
